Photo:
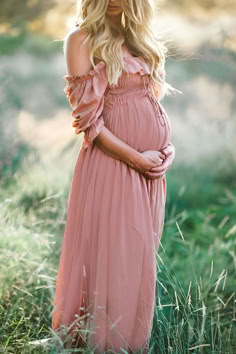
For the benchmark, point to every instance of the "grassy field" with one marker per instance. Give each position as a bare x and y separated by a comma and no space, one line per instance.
195,304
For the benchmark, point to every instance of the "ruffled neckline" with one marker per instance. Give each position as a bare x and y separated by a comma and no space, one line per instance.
133,65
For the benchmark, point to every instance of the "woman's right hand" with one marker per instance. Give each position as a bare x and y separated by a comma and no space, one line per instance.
149,159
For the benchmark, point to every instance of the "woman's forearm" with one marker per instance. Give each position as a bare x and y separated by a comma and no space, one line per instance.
118,149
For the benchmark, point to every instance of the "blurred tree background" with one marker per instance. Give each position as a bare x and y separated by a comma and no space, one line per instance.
20,12
195,305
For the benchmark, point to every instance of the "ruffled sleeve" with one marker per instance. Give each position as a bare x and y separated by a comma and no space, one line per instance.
85,94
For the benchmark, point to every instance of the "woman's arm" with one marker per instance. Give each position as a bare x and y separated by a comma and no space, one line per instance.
118,149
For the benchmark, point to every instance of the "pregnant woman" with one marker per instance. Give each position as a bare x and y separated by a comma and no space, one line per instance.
105,289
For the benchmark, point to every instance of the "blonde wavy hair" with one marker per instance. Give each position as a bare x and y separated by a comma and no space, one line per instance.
136,34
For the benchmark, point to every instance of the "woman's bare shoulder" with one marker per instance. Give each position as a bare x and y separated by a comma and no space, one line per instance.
74,39
77,53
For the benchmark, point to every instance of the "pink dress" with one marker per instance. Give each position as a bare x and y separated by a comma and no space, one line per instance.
107,272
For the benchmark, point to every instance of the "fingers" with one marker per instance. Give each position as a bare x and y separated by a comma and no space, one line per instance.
159,169
156,171
150,175
162,156
163,167
168,150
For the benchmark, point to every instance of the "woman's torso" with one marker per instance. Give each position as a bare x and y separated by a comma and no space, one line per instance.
133,113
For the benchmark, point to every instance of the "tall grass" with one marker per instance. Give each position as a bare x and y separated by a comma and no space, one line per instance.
195,302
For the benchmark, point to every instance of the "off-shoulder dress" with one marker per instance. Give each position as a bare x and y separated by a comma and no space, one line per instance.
115,216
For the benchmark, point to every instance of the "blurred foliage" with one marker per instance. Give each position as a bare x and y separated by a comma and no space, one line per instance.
28,42
11,155
13,148
17,12
204,4
18,91
47,18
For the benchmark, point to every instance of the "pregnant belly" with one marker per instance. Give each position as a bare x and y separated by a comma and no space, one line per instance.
138,123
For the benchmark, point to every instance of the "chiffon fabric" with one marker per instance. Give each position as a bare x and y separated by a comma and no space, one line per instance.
115,215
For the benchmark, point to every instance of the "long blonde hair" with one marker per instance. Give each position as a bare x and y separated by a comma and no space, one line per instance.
136,34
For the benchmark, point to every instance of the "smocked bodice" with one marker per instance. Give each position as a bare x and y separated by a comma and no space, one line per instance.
135,81
92,96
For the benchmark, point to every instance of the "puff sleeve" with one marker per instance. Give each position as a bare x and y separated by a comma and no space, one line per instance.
85,94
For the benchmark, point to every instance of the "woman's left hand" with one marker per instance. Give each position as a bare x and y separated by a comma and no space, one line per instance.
159,171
